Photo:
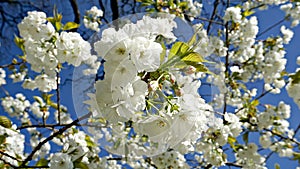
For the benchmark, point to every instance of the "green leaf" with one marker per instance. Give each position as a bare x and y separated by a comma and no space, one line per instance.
19,42
70,25
231,141
159,39
255,103
171,3
248,13
89,142
117,143
2,139
38,99
277,166
192,40
296,156
178,49
51,20
42,162
295,77
5,122
144,138
246,137
193,57
183,4
80,165
201,68
58,25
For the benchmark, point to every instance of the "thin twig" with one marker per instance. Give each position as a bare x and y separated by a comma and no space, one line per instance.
5,162
285,138
273,26
216,3
5,154
76,13
103,9
53,126
12,64
115,12
226,59
60,131
233,164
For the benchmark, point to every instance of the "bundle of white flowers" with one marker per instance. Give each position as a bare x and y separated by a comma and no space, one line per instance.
8,139
148,94
47,45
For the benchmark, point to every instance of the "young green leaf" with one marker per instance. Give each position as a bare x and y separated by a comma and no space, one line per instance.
277,166
5,122
178,49
193,57
246,137
42,162
70,25
80,165
19,42
192,40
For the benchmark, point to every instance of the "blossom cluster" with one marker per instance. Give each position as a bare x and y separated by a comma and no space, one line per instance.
47,47
9,138
158,104
92,18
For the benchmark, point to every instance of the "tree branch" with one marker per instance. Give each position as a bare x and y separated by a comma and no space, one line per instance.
76,13
60,131
103,9
115,12
216,3
272,26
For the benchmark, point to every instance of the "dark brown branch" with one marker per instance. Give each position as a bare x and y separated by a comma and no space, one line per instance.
226,60
233,164
76,13
5,154
216,3
103,9
273,26
282,137
115,12
53,126
12,64
60,131
33,167
5,162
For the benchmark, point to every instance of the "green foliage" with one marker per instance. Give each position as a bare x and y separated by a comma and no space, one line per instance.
178,49
70,25
80,165
193,57
246,137
89,142
5,122
42,162
295,77
231,141
19,42
2,139
247,13
296,156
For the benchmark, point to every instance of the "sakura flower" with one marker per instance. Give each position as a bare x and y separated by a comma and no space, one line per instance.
61,160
